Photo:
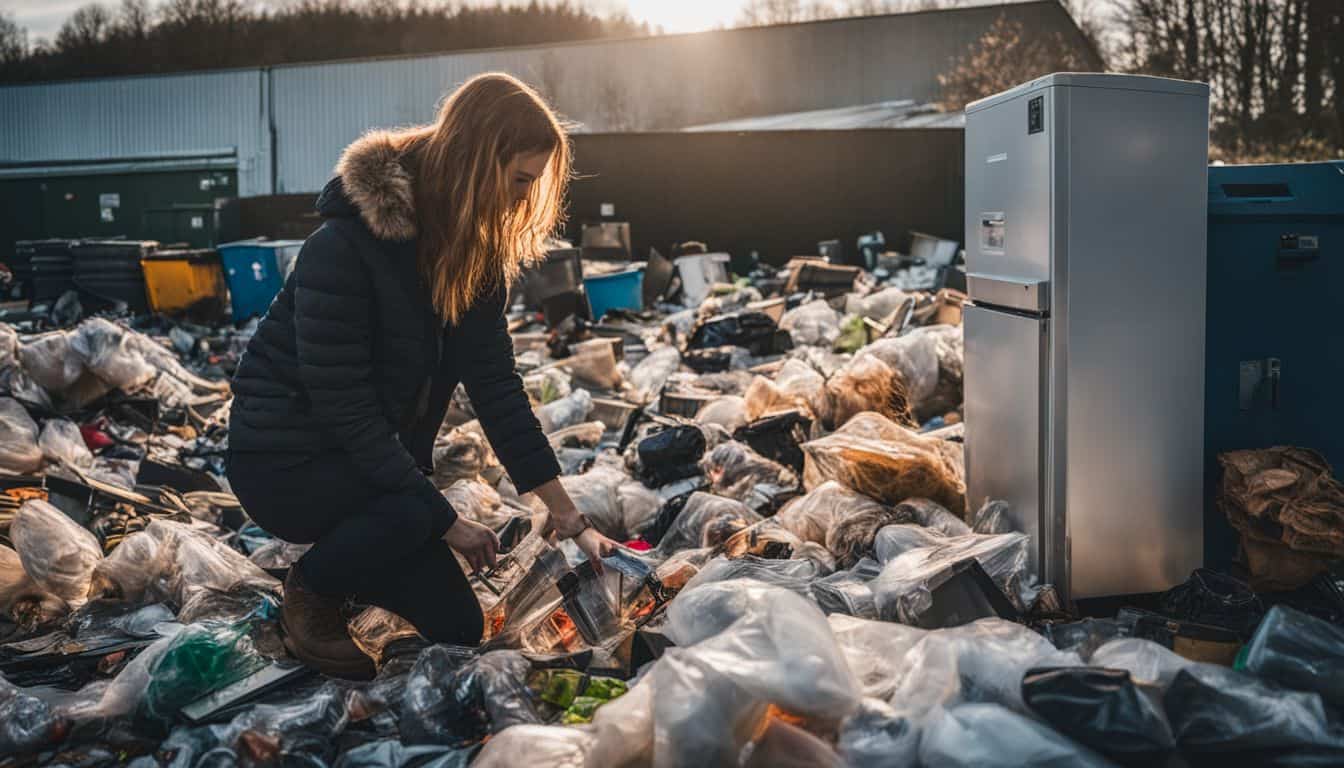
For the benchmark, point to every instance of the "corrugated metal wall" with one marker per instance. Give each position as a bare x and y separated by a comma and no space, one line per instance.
658,83
141,117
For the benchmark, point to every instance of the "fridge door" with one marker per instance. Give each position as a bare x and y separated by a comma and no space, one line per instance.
1004,428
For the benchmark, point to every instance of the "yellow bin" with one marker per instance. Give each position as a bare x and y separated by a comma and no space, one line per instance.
185,282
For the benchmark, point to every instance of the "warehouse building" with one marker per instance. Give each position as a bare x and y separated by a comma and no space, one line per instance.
167,156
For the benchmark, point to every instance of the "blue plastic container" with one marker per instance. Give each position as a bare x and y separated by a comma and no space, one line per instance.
255,271
623,290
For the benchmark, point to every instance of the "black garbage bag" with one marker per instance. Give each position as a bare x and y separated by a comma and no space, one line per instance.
779,437
391,753
1300,652
666,516
715,360
755,331
1102,708
1216,599
670,455
1223,717
456,697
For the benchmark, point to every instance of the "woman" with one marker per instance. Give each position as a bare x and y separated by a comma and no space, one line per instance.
398,297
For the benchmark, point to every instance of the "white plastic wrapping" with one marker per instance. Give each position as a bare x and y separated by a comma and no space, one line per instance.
62,443
548,385
19,449
876,305
875,651
17,382
109,352
988,734
568,411
895,540
548,745
935,517
904,590
706,520
58,554
729,412
477,501
877,736
814,323
793,575
51,362
617,506
128,569
914,356
650,374
886,462
1144,660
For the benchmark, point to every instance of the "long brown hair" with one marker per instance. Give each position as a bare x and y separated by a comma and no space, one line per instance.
473,236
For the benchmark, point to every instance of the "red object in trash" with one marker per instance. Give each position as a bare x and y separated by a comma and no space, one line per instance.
639,545
95,438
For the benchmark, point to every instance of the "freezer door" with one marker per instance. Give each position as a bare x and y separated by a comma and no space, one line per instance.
1003,385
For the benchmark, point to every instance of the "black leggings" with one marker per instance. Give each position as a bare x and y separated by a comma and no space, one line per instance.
377,547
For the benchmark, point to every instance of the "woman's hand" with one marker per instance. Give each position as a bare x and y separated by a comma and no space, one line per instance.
595,546
477,543
564,520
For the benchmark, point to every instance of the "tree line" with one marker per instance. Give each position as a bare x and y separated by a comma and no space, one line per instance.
136,37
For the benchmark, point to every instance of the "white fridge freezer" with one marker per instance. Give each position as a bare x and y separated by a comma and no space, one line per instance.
1084,380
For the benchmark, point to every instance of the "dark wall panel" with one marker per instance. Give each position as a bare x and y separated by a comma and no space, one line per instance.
777,193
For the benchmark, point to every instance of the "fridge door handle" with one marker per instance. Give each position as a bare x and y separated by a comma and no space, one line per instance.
1009,292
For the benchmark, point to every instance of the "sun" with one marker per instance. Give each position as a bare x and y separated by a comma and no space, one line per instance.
685,15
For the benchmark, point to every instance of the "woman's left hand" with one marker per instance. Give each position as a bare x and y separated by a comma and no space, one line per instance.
595,546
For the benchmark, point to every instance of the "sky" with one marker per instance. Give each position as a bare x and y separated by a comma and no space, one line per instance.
43,18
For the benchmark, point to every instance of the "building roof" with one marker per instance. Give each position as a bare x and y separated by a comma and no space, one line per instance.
903,113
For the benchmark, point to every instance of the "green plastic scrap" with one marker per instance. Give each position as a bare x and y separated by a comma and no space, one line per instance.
559,687
605,688
202,658
853,335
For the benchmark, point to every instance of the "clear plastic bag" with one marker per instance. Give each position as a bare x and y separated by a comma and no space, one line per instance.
650,374
988,734
848,592
276,555
461,453
477,501
391,753
454,696
852,536
617,506
19,449
568,411
706,520
27,724
9,345
128,570
817,554
782,745
58,554
548,745
814,323
201,658
797,386
16,381
866,384
1300,652
107,350
793,575
877,305
374,628
992,517
1145,661
51,362
810,516
935,517
895,540
915,357
734,470
874,651
886,462
877,736
62,443
547,386
729,412
904,590
585,435
1101,708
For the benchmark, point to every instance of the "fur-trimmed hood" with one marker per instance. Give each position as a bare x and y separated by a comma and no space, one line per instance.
372,182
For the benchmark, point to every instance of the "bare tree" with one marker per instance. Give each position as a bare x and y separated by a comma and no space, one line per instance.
1002,58
86,28
134,19
13,41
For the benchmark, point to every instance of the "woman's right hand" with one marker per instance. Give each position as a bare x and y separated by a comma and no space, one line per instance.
477,543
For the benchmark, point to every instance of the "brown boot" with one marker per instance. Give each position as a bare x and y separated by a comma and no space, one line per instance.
316,632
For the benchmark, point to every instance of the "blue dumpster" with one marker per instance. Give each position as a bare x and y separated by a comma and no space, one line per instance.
255,271
1273,360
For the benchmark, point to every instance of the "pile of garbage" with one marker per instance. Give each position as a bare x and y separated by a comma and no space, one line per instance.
801,581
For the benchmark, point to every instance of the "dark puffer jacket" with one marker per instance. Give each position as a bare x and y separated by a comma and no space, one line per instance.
352,357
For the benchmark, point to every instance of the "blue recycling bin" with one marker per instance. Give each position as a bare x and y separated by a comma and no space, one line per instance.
255,271
1274,344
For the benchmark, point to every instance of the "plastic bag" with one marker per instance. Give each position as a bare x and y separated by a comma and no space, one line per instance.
797,386
814,323
904,590
585,435
915,357
877,305
1214,709
1144,660
893,541
108,351
1217,599
477,501
753,331
1101,708
670,454
16,381
189,563
62,443
852,535
987,734
729,412
1300,652
454,696
21,599
376,628
568,411
547,386
9,345
593,364
27,724
781,745
202,658
853,335
935,517
877,736
391,753
58,554
648,377
817,554
848,592
874,651
617,506
866,384
276,555
887,462
734,470
549,745
706,520
19,449
461,453
128,570
992,517
793,575
51,362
